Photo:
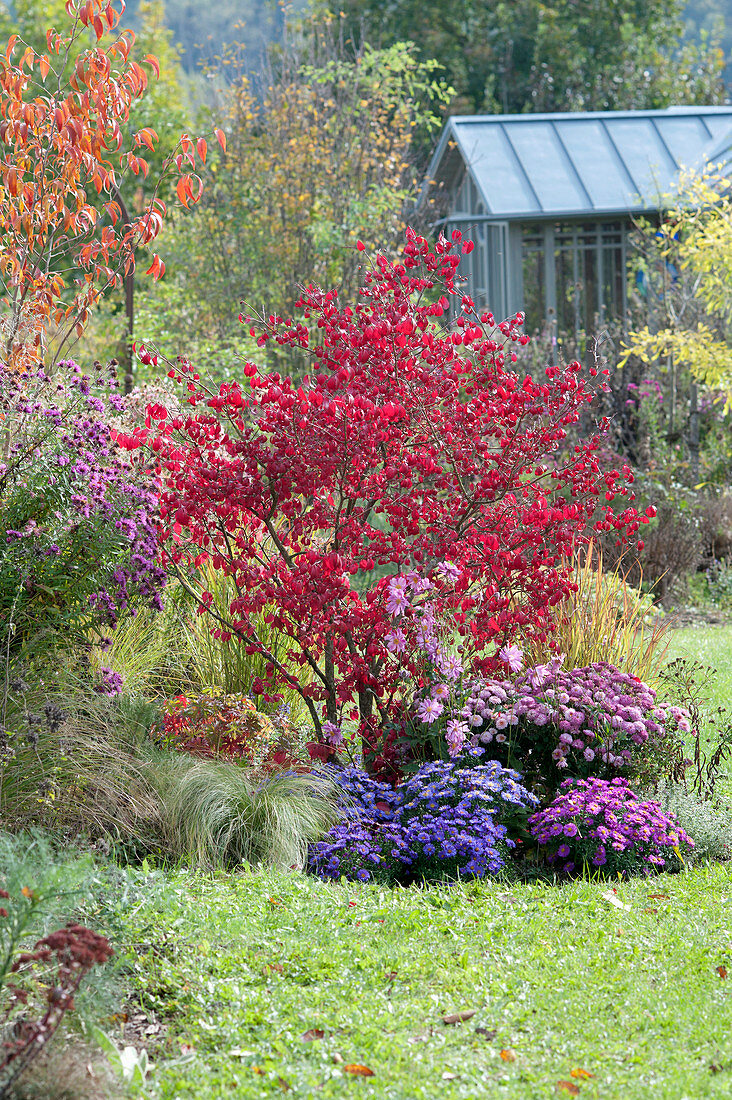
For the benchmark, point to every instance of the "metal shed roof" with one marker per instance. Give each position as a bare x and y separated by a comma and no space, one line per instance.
573,165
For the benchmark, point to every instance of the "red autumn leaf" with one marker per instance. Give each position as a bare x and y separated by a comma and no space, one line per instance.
722,971
183,189
582,1074
358,1071
568,1086
312,1035
221,138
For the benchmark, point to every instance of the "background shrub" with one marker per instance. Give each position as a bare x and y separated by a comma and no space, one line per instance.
707,822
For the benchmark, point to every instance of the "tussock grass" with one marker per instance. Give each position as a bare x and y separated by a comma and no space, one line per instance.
215,814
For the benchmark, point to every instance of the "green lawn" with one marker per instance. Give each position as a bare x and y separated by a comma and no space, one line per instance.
240,968
712,645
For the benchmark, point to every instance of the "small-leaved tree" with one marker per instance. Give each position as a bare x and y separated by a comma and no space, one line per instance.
409,447
67,235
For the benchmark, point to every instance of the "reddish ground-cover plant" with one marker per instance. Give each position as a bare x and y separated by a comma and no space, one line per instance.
408,446
227,727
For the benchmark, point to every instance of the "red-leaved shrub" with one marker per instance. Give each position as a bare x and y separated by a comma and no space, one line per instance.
408,445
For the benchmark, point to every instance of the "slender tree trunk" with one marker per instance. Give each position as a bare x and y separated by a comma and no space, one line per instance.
694,433
127,365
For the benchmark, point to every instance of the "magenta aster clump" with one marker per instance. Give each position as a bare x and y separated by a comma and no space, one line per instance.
603,825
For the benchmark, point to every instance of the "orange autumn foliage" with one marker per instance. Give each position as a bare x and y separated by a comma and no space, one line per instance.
66,234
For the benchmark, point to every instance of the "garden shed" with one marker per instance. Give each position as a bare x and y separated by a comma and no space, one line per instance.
549,200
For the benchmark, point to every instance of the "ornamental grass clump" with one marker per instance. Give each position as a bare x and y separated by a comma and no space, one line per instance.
603,825
445,822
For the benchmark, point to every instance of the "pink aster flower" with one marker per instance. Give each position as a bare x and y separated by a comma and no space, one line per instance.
448,570
397,600
395,640
429,710
333,734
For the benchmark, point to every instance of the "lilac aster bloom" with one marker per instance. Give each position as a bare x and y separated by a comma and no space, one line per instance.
397,600
429,710
448,570
512,657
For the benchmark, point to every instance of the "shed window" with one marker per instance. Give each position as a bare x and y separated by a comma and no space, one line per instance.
574,274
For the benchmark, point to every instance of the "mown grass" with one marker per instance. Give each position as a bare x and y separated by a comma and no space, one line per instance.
240,968
711,645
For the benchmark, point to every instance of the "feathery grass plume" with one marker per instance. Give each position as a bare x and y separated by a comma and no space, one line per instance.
148,650
85,773
215,814
214,662
606,619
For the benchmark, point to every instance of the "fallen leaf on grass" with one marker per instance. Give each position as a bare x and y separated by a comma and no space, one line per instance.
259,1070
612,899
359,1071
508,1055
284,1085
486,1032
659,897
312,1034
459,1017
568,1086
278,967
449,1077
582,1074
338,1059
186,1048
722,971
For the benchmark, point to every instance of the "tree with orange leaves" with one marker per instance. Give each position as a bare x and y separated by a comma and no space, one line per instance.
62,145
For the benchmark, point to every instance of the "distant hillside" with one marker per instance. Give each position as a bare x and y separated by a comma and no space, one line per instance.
200,30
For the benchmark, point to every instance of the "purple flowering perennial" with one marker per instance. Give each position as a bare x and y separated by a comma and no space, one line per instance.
95,511
582,719
446,821
603,825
